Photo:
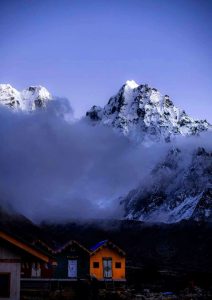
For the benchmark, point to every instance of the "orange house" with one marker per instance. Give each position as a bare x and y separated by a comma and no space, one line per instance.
107,262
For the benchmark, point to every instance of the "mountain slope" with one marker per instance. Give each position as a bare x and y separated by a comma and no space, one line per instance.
28,100
143,114
178,188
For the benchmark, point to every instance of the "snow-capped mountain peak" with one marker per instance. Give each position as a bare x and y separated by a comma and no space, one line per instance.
143,114
29,99
9,96
35,96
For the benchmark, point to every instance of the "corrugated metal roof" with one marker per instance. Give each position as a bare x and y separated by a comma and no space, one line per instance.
99,244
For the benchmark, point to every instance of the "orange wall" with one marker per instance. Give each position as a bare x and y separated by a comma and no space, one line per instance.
118,274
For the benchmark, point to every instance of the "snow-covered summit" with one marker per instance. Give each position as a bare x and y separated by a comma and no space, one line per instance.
9,96
35,97
29,99
143,114
131,84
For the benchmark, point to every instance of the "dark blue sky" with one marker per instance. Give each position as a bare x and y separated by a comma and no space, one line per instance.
86,49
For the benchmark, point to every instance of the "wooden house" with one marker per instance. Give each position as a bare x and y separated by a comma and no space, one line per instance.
34,269
72,261
107,262
13,252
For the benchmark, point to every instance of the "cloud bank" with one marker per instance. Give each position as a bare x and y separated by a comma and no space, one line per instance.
52,168
56,169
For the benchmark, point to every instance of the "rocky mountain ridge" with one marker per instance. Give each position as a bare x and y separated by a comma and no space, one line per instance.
179,188
144,115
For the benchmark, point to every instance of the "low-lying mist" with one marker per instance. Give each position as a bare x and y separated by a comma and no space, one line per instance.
56,169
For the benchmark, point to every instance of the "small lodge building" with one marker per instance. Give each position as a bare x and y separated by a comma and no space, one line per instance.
107,262
72,261
13,252
34,269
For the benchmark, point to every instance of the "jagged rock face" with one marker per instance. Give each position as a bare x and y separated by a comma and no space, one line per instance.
35,97
143,114
179,188
9,96
28,100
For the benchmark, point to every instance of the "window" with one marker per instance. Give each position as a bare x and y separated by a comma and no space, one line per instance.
118,265
4,285
95,264
36,270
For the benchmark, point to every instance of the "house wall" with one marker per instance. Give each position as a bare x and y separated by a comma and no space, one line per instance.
46,269
10,263
117,274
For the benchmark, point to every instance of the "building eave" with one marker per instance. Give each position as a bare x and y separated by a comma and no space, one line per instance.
23,246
